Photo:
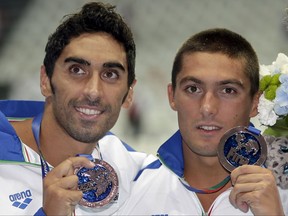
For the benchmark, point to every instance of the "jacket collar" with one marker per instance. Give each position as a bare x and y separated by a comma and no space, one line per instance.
171,154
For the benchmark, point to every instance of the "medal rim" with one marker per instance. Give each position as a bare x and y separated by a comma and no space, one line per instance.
113,193
222,158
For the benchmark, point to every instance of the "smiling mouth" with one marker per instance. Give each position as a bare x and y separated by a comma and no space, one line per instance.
87,111
208,128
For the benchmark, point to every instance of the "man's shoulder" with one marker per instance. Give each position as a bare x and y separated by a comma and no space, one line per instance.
10,144
111,135
15,110
114,149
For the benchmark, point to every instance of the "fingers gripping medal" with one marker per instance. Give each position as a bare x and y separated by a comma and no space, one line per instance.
99,184
242,145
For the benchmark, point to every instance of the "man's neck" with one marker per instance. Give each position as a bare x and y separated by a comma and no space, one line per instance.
202,173
56,145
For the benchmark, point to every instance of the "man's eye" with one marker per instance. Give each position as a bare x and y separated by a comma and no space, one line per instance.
76,70
110,75
192,89
229,90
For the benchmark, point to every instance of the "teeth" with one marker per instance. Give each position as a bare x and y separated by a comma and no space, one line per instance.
208,127
88,111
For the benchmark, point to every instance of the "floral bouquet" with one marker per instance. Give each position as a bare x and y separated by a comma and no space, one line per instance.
273,113
273,104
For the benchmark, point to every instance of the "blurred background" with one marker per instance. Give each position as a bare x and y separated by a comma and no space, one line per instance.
159,26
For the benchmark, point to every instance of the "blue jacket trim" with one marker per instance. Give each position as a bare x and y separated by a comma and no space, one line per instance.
128,147
21,108
154,165
40,212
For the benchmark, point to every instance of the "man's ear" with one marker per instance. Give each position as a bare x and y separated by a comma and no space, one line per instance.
255,102
170,93
129,98
45,83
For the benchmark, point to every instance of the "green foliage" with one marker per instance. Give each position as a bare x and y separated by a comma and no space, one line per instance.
268,85
279,129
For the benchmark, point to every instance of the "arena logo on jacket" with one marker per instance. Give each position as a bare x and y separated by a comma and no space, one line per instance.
21,199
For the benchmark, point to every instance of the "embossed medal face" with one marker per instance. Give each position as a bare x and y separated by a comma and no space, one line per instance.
239,146
99,184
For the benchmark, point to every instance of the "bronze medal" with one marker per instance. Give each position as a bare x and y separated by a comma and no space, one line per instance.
242,145
99,184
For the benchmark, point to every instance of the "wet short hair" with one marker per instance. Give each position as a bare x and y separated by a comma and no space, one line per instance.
223,41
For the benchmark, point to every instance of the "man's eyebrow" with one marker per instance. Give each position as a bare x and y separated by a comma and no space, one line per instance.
233,82
114,65
189,79
222,82
85,62
77,60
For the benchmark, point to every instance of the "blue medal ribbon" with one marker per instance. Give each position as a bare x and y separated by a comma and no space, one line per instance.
254,130
36,125
209,190
88,156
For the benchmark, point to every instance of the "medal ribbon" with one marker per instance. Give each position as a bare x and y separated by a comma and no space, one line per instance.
254,130
36,125
88,156
210,190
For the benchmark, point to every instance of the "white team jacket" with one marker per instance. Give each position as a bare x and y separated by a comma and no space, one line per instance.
21,175
21,182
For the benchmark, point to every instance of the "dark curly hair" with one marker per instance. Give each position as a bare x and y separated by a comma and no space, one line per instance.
93,17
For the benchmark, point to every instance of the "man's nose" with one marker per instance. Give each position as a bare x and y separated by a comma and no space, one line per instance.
209,104
93,87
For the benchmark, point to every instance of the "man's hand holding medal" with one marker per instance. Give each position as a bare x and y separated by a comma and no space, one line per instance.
243,151
61,187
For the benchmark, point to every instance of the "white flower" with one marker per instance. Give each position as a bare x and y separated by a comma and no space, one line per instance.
264,70
275,88
281,64
266,113
284,69
281,59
